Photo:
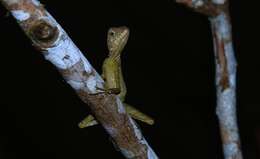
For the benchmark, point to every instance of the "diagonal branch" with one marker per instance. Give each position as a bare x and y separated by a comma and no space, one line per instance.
218,13
48,37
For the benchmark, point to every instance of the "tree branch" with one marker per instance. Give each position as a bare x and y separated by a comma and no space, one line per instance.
218,13
48,37
226,85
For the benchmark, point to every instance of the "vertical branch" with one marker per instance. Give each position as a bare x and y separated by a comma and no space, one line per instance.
226,85
56,46
218,13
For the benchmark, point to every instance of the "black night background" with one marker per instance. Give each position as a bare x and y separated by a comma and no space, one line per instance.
168,65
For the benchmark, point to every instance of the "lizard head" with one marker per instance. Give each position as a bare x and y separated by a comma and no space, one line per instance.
116,40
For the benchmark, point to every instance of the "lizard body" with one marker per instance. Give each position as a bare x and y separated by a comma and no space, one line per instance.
112,74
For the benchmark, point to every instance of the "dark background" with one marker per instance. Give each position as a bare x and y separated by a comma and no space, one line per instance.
168,66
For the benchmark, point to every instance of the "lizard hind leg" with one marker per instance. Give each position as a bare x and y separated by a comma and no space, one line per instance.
138,115
132,111
87,122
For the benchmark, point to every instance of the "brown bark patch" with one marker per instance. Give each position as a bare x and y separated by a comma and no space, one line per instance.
224,81
76,72
28,6
118,125
221,60
225,135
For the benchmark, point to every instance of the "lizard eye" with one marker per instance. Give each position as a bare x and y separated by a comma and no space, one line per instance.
112,33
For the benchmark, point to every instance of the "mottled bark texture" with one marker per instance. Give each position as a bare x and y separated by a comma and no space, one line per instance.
48,37
218,13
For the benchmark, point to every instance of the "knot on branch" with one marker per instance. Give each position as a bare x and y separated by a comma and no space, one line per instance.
43,33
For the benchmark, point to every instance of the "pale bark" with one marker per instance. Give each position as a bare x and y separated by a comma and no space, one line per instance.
218,13
56,46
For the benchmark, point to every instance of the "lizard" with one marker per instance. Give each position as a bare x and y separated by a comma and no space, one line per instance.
117,38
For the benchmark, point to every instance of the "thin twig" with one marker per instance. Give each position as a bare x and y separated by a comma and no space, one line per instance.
56,46
218,13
